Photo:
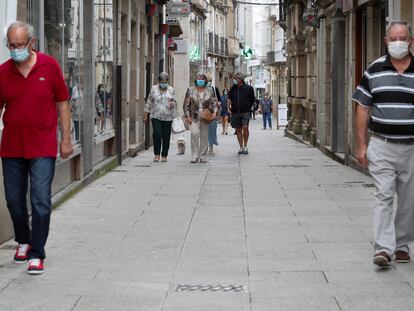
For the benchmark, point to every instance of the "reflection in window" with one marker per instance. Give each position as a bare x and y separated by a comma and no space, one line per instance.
62,41
103,51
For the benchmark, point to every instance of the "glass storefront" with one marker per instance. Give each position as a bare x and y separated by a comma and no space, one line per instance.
104,56
62,41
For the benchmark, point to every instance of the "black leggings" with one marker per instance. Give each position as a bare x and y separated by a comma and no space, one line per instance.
161,134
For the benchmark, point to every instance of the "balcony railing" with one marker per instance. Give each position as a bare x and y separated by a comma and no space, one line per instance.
210,42
217,45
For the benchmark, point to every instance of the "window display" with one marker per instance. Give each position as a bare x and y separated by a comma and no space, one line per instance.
103,48
62,41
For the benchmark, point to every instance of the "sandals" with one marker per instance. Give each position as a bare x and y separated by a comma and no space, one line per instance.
164,159
157,158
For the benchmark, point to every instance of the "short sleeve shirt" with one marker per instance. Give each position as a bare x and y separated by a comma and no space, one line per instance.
31,117
390,95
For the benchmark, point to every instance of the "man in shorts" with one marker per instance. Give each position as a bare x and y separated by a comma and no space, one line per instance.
241,100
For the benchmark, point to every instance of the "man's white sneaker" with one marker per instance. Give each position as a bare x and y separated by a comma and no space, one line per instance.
35,266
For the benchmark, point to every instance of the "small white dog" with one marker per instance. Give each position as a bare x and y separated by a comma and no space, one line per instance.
181,145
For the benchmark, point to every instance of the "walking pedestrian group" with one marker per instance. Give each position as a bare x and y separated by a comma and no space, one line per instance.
35,99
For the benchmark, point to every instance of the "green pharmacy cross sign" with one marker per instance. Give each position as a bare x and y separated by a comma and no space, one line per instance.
195,53
248,52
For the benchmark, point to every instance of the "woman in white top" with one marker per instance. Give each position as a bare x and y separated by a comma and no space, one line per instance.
161,108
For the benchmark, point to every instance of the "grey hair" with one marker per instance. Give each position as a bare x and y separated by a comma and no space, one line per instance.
202,75
401,23
27,27
163,76
240,75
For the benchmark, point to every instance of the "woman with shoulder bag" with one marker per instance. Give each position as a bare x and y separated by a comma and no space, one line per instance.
200,108
161,108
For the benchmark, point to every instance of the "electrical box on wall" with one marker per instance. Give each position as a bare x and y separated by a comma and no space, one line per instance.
182,46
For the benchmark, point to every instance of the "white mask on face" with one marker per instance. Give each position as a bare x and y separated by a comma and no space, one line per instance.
398,49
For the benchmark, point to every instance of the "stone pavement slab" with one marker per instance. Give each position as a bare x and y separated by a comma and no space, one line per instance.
283,228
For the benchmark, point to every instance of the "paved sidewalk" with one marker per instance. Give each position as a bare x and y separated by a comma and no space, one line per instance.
283,228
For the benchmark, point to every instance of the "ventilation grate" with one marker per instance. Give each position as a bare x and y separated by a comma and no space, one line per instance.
218,288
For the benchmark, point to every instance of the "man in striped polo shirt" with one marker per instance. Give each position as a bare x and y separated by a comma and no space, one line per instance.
385,98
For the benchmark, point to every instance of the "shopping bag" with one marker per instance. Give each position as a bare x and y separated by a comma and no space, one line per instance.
178,126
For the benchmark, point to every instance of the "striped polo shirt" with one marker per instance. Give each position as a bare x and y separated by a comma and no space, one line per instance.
391,96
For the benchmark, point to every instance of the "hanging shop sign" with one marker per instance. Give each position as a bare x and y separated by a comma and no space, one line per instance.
151,9
178,9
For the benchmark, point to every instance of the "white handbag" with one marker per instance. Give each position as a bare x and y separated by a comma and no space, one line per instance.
178,125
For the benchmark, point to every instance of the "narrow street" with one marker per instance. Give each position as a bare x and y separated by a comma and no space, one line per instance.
283,228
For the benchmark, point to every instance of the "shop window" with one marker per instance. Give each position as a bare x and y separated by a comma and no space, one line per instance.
103,45
62,41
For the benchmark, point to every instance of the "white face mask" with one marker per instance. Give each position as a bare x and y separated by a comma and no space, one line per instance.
398,49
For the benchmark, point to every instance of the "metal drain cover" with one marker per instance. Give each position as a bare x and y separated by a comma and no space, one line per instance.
223,288
368,185
289,165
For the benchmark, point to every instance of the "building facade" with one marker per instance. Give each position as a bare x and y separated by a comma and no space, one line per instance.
221,45
276,64
329,45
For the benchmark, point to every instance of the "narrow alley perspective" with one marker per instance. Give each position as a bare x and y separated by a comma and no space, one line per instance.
206,155
282,228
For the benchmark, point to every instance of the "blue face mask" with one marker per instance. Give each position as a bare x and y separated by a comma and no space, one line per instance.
235,82
224,93
19,55
163,85
200,83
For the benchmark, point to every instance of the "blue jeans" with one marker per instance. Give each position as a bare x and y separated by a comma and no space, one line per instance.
267,116
16,174
212,133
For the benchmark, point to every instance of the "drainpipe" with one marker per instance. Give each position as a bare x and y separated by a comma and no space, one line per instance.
394,9
338,81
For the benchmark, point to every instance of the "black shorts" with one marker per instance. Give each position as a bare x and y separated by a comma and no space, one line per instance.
239,120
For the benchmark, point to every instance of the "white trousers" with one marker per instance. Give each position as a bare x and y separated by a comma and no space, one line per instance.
392,167
199,140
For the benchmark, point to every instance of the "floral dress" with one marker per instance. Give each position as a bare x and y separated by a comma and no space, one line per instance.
158,103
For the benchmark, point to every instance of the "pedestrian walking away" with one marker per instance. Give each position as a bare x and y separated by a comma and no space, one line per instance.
200,108
241,100
266,108
385,104
224,114
254,109
161,109
33,94
212,127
